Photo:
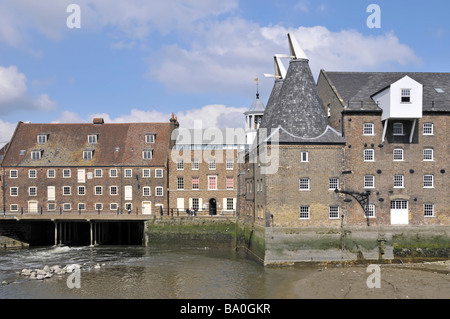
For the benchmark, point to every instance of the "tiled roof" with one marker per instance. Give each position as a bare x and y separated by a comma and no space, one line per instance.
358,87
298,109
117,145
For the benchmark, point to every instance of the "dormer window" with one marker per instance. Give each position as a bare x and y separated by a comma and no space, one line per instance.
42,138
87,155
36,155
147,154
150,138
92,138
406,95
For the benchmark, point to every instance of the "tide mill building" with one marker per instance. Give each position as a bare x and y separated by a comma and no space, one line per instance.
355,148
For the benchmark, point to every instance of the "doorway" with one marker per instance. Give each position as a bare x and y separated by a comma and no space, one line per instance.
212,206
399,212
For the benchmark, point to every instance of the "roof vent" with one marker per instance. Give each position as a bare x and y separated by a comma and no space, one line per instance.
98,120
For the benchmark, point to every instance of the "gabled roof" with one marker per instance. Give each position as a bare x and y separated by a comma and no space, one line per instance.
117,145
357,88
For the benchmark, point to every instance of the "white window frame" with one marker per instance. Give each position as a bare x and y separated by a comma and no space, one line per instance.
229,164
83,192
405,94
42,138
146,189
147,154
13,174
32,173
195,164
428,128
369,181
369,155
98,172
115,192
304,157
428,181
197,185
51,172
304,184
180,164
333,181
14,191
180,183
113,172
150,138
67,207
113,208
159,173
128,173
146,173
304,212
370,211
92,138
97,188
98,206
231,178
81,206
209,182
87,155
428,210
428,154
368,129
212,164
64,190
159,191
333,212
36,155
32,191
14,207
67,173
397,154
399,181
51,206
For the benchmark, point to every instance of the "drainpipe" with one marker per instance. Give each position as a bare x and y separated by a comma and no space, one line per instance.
4,192
121,190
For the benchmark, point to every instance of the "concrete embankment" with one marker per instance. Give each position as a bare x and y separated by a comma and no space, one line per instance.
273,246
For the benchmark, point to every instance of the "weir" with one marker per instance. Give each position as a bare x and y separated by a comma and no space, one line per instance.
72,232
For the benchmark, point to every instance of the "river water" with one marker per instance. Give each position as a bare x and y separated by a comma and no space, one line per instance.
143,272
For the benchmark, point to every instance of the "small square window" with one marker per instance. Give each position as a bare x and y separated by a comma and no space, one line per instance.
81,206
147,154
36,155
51,173
428,181
195,164
212,164
32,191
146,191
212,182
113,172
398,154
67,206
42,138
150,138
159,173
14,207
113,190
51,206
98,206
13,173
98,172
180,183
333,184
159,191
304,212
128,172
406,96
369,155
229,164
427,128
98,190
428,154
92,138
370,211
66,190
369,181
304,184
146,173
113,206
428,210
368,129
334,212
87,155
194,182
180,164
398,129
230,182
66,173
81,190
398,181
14,191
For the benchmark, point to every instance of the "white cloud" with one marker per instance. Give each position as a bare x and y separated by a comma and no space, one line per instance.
226,55
6,131
214,115
14,93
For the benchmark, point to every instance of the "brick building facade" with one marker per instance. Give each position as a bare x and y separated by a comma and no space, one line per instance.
203,171
98,167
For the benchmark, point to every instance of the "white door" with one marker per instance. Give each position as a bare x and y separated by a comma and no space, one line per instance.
128,193
180,204
32,206
146,208
81,176
399,212
50,192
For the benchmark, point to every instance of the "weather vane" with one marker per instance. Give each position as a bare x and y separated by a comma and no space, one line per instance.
257,87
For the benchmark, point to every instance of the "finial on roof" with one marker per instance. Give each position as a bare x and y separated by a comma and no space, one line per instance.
294,48
257,87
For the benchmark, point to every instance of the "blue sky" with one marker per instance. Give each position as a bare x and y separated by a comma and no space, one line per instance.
141,60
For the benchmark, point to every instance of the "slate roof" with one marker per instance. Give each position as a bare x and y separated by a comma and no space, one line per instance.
356,88
297,112
257,106
117,145
209,136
